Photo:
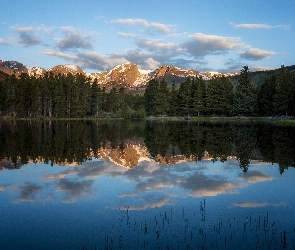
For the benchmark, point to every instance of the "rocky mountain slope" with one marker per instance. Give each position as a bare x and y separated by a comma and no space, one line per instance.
127,75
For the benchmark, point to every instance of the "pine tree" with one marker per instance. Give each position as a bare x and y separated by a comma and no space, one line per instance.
150,96
11,100
173,101
184,98
198,95
245,101
59,98
162,99
219,96
285,93
37,97
95,101
266,92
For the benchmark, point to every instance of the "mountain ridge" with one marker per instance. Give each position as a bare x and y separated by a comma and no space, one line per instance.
127,74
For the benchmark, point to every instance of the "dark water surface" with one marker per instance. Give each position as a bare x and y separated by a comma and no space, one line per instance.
146,185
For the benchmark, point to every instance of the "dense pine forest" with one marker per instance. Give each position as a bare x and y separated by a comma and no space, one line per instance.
75,96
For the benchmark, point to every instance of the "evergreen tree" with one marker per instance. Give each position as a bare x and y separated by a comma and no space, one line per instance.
245,101
285,93
2,96
96,100
219,96
47,86
11,100
150,96
59,98
173,101
37,97
184,98
161,105
266,92
198,95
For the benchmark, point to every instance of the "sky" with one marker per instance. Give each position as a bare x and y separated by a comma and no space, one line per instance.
207,35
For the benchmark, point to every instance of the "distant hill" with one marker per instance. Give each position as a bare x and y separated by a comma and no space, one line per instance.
258,76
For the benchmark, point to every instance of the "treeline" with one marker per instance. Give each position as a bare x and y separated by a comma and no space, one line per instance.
218,97
76,96
69,96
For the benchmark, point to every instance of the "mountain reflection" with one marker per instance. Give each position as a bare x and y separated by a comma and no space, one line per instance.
127,143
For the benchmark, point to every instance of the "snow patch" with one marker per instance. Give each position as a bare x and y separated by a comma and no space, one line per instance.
145,71
72,67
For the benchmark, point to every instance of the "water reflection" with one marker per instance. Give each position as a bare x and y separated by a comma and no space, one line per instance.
122,185
128,143
196,204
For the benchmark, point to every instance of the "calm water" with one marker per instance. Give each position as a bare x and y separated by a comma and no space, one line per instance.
154,185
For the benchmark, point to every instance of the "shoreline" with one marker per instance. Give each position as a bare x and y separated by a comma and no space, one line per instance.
282,122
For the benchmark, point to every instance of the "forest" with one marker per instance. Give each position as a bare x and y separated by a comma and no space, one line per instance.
75,96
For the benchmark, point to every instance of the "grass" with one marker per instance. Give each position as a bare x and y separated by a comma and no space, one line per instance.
59,119
162,118
211,119
285,123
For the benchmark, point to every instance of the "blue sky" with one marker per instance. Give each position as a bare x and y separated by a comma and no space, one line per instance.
207,35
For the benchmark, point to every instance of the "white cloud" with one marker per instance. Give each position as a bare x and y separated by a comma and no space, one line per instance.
23,29
27,36
2,41
256,54
61,55
153,44
91,60
150,63
73,40
127,35
200,44
160,27
163,28
258,26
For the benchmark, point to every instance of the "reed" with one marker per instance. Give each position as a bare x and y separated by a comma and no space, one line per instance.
184,229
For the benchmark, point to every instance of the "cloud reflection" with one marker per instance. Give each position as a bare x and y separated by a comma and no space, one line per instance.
258,204
75,188
254,177
2,188
147,185
29,191
159,202
202,185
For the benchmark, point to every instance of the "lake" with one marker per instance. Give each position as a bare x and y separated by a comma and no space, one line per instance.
146,185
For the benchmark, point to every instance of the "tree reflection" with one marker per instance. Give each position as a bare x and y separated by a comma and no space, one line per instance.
245,142
66,142
60,142
219,141
284,147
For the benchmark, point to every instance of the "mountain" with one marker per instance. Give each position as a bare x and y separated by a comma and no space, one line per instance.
128,74
13,67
